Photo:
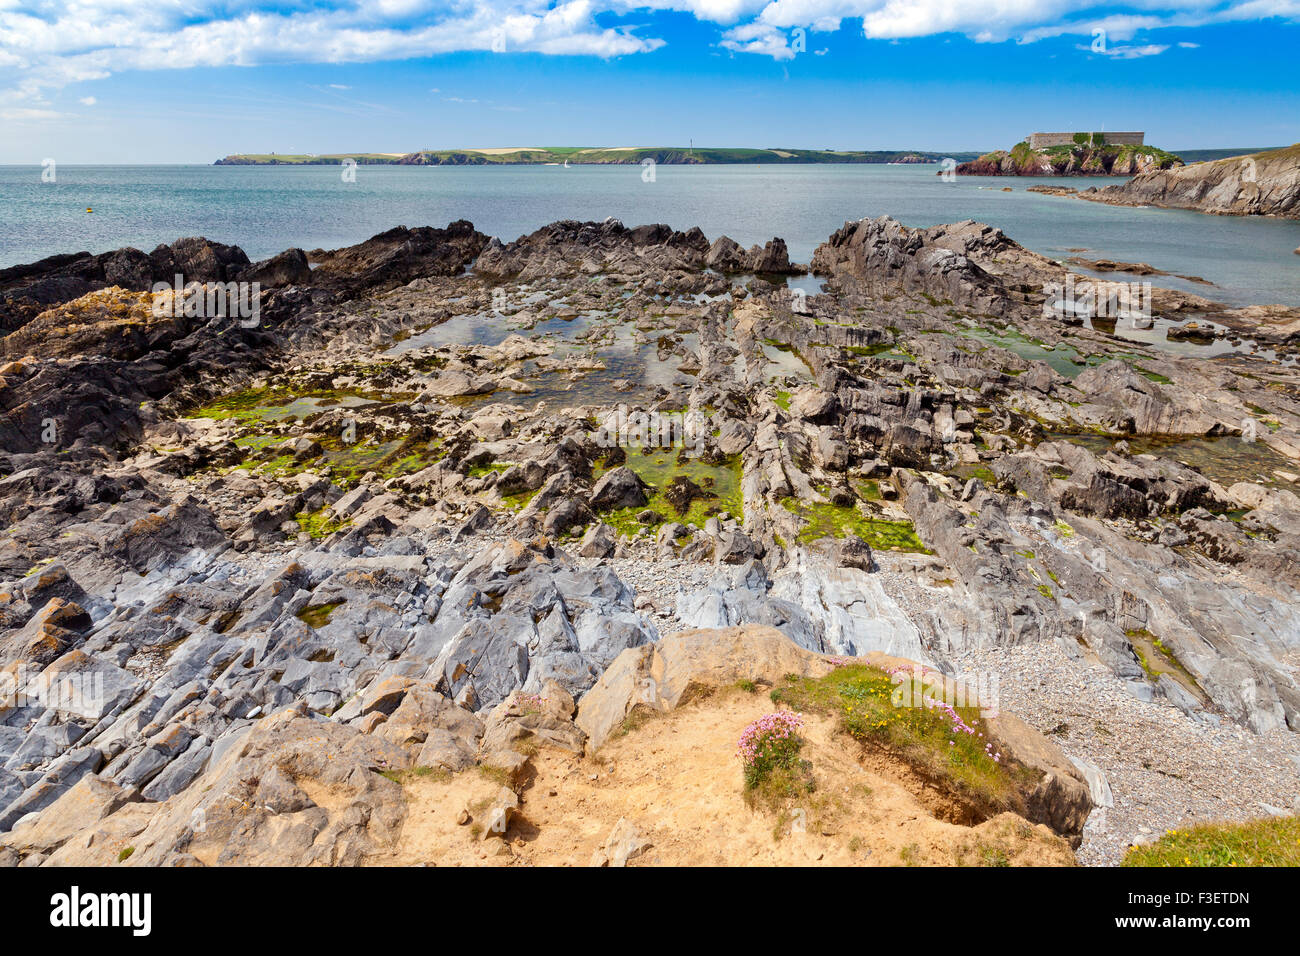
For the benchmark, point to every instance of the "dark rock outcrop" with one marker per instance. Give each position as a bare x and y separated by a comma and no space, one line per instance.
396,257
28,290
569,247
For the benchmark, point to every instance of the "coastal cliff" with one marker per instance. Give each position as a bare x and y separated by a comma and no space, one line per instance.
1260,184
1077,159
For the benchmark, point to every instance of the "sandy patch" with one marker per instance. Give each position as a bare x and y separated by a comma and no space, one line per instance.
678,780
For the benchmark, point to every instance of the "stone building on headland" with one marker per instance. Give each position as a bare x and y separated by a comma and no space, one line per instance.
1043,140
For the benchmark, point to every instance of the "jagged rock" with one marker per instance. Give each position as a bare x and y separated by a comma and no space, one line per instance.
885,250
735,436
433,730
618,488
63,774
76,811
853,552
725,255
552,250
1098,788
599,542
624,843
565,515
529,638
815,603
812,404
734,547
396,257
772,258
247,810
28,290
500,815
480,519
288,268
545,717
52,630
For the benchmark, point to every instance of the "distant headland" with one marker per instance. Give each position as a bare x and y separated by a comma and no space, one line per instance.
582,155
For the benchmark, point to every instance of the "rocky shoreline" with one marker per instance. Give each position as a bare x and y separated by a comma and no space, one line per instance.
1259,184
441,473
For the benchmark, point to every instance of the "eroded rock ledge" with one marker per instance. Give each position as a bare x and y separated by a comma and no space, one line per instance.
294,788
1260,184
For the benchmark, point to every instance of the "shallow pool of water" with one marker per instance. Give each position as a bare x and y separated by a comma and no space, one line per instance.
1225,460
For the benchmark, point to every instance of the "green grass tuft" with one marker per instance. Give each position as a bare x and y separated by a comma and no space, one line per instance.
1274,841
864,699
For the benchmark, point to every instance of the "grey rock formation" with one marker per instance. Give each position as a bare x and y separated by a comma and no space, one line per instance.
1260,184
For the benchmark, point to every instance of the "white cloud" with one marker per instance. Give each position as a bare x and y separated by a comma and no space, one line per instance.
79,40
339,86
48,44
1128,52
87,101
707,11
759,38
19,114
993,21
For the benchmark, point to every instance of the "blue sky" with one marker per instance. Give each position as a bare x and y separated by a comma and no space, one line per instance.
119,81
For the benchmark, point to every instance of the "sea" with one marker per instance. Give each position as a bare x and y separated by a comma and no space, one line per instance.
266,209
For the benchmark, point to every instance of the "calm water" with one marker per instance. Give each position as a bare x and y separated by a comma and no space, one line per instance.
267,209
